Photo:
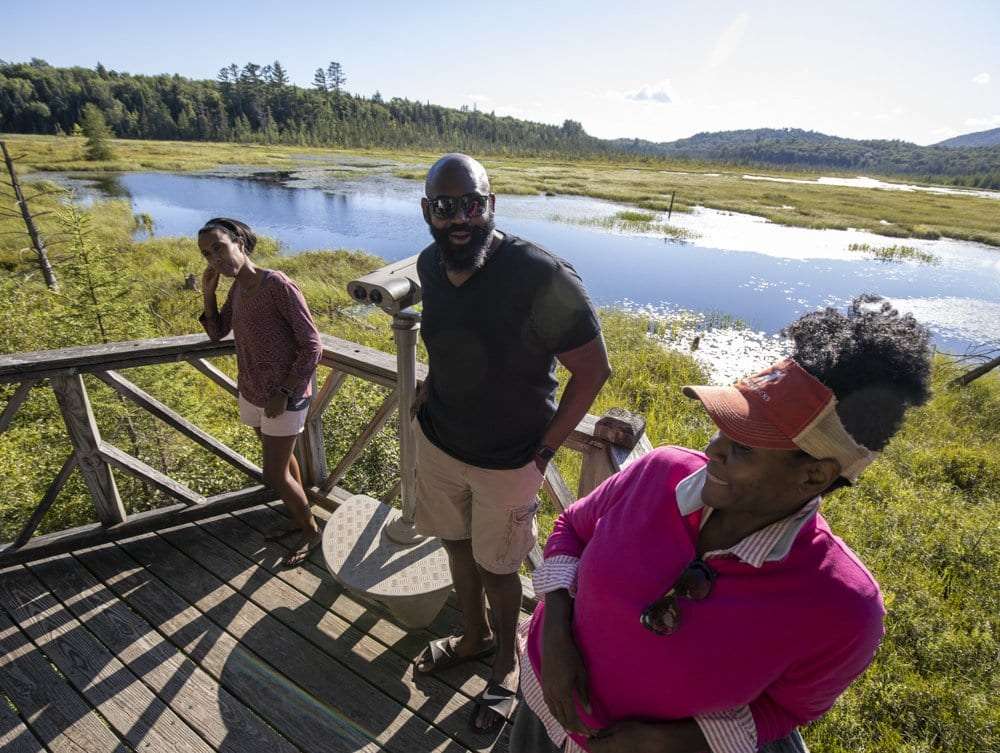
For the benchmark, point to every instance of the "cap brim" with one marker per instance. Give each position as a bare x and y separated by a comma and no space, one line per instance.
739,419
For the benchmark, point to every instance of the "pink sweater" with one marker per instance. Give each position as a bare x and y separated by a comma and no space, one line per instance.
786,638
275,337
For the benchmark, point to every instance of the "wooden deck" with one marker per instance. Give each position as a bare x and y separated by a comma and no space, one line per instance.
193,639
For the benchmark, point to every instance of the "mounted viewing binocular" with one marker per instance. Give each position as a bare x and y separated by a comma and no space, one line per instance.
391,288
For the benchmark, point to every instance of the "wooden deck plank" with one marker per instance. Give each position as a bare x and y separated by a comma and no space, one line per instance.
393,727
55,712
225,723
373,663
393,674
14,736
313,580
309,723
128,706
93,534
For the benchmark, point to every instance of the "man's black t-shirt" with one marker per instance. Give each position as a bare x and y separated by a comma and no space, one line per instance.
492,343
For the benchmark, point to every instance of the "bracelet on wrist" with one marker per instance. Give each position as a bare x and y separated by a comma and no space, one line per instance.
545,453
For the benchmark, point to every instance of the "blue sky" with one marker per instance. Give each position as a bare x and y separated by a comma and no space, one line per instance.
919,70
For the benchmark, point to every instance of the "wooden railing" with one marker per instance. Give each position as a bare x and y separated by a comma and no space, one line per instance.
606,444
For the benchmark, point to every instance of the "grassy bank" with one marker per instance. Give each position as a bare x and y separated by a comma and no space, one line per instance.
645,185
923,518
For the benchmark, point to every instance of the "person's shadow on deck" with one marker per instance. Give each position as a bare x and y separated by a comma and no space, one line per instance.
351,658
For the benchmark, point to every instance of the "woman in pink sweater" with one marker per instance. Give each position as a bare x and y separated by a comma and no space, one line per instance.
699,601
277,351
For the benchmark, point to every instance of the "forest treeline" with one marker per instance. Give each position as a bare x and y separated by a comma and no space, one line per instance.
257,103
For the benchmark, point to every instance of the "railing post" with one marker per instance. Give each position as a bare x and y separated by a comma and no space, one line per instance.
83,433
623,437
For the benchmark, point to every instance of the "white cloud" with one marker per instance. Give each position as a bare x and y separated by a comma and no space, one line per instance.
943,133
991,121
660,93
982,79
895,112
728,41
479,97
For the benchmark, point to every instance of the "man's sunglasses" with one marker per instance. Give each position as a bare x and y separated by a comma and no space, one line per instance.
446,207
694,584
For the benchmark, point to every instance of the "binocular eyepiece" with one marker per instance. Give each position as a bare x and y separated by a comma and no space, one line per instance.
391,288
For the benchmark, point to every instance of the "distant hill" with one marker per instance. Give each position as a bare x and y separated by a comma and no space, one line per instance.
977,139
258,104
797,148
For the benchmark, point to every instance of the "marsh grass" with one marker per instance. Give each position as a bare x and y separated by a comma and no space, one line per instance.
895,253
923,518
630,222
644,185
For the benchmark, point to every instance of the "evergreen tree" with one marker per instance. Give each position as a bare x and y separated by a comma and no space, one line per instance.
319,80
95,128
96,286
335,77
279,77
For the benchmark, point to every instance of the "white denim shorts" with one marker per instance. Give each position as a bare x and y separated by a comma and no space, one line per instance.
287,424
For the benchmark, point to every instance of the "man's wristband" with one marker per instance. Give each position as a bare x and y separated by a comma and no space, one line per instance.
544,453
285,391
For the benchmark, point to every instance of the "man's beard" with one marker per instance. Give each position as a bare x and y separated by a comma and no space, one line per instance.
471,255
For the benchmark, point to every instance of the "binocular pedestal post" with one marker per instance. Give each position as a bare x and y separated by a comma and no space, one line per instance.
370,547
405,325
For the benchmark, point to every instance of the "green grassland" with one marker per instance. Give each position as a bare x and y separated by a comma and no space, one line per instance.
644,184
923,518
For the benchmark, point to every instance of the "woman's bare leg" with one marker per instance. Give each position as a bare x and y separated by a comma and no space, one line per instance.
285,479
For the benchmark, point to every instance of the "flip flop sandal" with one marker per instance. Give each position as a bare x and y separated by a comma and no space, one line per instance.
441,655
496,700
301,553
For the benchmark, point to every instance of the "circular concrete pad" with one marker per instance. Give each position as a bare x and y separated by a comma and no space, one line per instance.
412,582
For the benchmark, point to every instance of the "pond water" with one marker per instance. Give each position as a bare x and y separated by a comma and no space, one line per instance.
762,273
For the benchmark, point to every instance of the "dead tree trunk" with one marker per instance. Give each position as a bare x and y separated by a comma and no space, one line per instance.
29,221
975,373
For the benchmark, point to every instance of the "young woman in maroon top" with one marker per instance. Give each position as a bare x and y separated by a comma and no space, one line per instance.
277,351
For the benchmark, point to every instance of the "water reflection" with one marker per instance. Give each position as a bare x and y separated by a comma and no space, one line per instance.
762,273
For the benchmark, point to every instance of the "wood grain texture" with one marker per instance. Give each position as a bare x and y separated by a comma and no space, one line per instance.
15,403
302,664
428,697
15,737
173,419
95,533
57,714
101,357
86,438
216,375
595,468
281,618
43,507
557,487
144,472
128,706
371,429
226,723
310,724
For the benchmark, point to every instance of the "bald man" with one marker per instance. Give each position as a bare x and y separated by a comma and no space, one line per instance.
498,312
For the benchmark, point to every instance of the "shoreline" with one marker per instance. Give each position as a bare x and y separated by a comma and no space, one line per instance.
786,200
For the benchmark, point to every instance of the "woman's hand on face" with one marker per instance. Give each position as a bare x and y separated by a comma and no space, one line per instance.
627,737
209,280
563,675
276,405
